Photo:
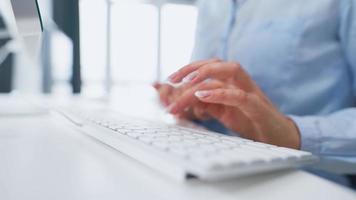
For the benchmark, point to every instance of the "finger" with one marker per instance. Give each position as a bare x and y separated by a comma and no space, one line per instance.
188,99
164,94
180,74
221,71
157,85
248,103
215,110
200,112
184,116
232,118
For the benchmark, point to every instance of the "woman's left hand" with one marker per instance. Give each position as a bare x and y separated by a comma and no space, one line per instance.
236,101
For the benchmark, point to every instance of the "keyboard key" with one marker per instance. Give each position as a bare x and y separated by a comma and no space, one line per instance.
204,141
221,146
146,139
161,144
180,152
134,134
189,137
174,139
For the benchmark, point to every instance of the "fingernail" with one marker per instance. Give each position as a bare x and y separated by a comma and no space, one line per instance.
172,108
202,94
190,77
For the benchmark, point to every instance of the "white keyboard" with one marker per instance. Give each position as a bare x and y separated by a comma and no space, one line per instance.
184,152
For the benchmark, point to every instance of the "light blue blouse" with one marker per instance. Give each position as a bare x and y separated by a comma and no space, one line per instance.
302,54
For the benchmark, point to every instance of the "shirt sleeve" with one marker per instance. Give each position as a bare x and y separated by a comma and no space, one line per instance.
333,137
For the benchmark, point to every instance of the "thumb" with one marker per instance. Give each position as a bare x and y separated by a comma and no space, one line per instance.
157,85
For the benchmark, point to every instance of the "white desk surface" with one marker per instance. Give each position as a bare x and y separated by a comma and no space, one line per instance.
42,158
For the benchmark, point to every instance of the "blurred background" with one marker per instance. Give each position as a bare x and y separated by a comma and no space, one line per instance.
93,47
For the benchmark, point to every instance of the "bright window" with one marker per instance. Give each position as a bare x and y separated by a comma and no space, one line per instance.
134,41
93,37
178,31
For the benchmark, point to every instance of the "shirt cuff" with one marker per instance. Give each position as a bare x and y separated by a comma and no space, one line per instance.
309,133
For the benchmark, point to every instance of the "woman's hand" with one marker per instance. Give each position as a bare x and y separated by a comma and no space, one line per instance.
232,97
165,93
168,95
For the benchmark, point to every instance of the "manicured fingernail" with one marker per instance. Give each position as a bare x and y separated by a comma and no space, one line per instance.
172,108
202,94
190,77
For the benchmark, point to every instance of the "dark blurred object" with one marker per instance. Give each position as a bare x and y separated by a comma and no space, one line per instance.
66,16
2,23
6,69
352,179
